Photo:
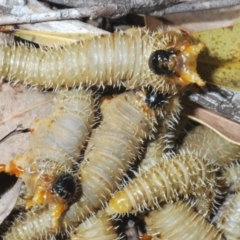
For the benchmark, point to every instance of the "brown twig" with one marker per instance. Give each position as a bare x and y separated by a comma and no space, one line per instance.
193,6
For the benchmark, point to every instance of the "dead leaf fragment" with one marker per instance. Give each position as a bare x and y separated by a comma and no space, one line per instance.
219,63
8,200
224,127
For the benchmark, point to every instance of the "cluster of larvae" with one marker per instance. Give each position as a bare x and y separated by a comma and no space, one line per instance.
92,159
180,184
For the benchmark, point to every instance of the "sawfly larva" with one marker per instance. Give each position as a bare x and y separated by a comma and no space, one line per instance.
178,221
36,220
177,177
134,59
96,227
207,144
229,221
55,146
129,119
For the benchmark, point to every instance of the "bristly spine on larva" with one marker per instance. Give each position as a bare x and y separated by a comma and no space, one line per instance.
55,146
179,221
99,226
127,122
177,177
112,59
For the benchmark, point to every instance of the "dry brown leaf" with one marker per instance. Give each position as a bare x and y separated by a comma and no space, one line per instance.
224,127
18,106
205,20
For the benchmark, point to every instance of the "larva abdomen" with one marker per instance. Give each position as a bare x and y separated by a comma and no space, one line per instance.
231,178
96,227
68,126
113,146
110,59
55,145
180,176
229,222
204,142
178,221
37,220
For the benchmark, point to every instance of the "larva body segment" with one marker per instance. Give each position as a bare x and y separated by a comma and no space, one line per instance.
232,178
168,128
229,221
206,143
161,148
178,221
96,227
55,145
32,225
179,176
163,60
112,148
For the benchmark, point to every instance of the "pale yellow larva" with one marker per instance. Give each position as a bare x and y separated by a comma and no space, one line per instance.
229,221
178,221
99,227
206,143
25,227
129,119
164,60
55,146
177,177
232,177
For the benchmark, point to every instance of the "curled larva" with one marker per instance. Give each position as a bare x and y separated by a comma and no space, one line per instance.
206,143
229,221
169,123
128,120
177,177
178,221
99,226
134,59
55,145
33,221
162,146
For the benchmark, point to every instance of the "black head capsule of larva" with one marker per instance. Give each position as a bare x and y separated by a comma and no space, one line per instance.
162,62
155,99
65,186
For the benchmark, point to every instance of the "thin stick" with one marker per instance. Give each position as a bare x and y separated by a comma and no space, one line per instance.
26,110
17,130
115,10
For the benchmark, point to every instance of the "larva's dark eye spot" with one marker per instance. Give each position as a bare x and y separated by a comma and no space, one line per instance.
65,186
162,62
155,99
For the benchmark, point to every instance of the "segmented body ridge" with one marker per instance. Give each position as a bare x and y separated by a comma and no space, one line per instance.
229,221
99,227
55,146
179,176
204,142
178,221
231,178
31,226
114,145
110,59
